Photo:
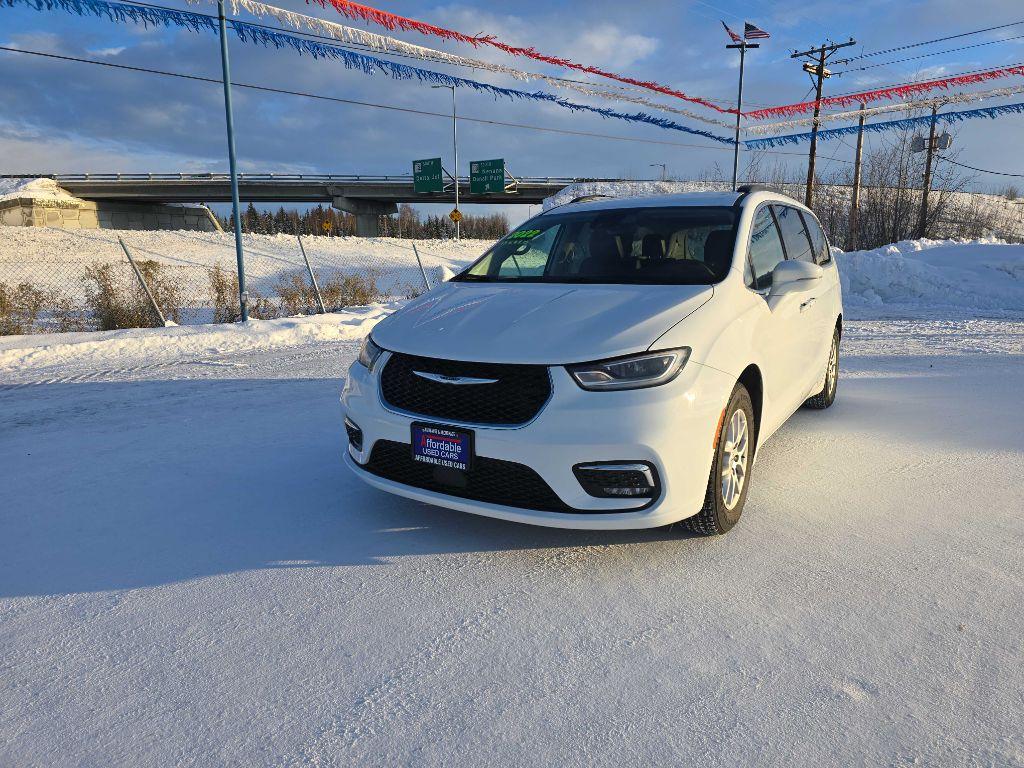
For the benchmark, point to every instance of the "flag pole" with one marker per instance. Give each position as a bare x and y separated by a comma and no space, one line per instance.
742,46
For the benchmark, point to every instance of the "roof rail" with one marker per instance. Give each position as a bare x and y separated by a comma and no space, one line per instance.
746,189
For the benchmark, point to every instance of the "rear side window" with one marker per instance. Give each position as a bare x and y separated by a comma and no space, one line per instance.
765,249
822,254
794,234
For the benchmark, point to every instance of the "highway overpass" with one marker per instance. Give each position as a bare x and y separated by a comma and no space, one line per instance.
367,197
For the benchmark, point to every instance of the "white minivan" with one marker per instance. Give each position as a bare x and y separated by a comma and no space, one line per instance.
612,363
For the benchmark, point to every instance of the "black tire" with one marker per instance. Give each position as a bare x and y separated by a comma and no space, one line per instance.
715,517
827,396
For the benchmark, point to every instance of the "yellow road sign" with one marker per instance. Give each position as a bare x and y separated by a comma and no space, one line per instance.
455,215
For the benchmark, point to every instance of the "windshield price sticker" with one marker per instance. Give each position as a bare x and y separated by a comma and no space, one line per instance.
524,234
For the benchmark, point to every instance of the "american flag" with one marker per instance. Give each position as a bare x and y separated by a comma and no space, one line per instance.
735,38
750,32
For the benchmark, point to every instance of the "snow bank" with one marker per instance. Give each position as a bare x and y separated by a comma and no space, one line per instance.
926,277
44,350
37,189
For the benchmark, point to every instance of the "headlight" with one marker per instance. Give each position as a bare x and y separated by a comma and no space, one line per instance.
636,372
368,353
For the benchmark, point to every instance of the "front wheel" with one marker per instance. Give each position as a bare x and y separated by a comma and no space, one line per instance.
730,469
827,396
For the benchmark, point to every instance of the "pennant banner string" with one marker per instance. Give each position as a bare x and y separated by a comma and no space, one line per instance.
892,92
958,98
382,43
947,118
369,65
393,21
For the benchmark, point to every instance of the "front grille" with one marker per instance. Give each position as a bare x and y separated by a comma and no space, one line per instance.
515,398
489,480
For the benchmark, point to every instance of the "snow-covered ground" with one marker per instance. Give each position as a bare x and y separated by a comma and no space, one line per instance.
57,259
189,576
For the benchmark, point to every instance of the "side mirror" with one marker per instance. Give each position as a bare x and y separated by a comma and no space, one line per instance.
794,277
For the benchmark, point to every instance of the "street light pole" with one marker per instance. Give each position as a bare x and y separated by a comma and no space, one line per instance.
663,169
455,149
243,295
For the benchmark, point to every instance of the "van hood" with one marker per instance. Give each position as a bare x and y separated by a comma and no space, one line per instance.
537,323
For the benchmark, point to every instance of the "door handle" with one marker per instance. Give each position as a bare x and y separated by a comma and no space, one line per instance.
807,304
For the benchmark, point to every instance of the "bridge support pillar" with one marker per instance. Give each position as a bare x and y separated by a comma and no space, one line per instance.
366,213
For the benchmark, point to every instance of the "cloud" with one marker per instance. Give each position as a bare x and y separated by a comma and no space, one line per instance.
107,52
606,44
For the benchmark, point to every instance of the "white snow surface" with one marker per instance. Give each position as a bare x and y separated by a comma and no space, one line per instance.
36,189
935,276
189,576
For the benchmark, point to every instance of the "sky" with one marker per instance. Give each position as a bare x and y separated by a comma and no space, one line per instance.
67,117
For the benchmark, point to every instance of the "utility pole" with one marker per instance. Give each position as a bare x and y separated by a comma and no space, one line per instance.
853,230
243,295
922,224
663,169
743,45
818,73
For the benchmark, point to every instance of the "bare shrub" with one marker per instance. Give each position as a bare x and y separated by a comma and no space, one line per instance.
349,291
297,296
122,303
224,294
20,306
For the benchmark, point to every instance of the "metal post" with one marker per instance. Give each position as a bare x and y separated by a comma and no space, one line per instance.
243,295
853,233
312,277
922,224
455,145
739,112
419,261
142,282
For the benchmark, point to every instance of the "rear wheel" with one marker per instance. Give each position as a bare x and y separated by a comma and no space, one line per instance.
730,469
827,396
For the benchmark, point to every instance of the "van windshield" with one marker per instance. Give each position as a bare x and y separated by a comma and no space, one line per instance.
669,246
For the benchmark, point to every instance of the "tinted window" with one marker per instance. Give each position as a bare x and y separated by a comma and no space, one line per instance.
765,249
822,253
794,234
673,246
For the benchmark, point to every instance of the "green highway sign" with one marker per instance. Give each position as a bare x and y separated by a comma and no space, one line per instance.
427,175
486,176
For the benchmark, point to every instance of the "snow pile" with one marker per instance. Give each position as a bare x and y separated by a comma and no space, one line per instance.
43,350
37,189
929,276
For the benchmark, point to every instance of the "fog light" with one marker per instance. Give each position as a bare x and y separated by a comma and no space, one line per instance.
637,480
355,434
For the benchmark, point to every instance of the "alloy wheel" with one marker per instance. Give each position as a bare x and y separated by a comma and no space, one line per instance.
734,459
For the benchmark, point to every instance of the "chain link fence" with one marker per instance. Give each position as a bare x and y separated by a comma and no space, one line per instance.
54,280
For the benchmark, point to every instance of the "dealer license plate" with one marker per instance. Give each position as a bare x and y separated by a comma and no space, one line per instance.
442,446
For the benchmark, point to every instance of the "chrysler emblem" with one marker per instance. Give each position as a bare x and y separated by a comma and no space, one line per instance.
442,379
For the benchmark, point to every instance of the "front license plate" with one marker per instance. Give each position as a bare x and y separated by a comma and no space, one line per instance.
442,446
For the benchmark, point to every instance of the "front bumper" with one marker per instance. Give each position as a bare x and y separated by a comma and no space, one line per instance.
671,427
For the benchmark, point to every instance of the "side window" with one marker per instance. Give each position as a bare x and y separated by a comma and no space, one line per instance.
822,253
765,249
794,233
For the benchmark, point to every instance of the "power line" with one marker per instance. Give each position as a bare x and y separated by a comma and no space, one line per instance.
984,170
928,42
354,102
927,55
